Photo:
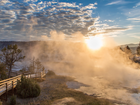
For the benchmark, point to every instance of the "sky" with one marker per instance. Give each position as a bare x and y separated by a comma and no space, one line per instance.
27,20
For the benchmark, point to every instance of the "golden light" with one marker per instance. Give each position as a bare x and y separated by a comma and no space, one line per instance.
94,42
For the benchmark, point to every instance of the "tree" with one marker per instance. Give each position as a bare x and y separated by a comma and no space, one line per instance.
39,66
138,50
31,67
27,88
10,55
127,50
121,49
35,66
3,71
23,70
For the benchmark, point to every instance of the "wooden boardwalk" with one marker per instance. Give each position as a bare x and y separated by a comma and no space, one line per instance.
10,83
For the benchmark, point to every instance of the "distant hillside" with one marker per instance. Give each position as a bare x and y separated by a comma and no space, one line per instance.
20,44
132,45
28,44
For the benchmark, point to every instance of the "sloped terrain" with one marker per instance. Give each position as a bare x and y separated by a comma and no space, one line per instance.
54,91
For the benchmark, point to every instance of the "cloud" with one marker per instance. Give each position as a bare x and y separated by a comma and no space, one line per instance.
108,31
135,36
101,28
138,4
117,2
137,19
132,14
109,20
37,18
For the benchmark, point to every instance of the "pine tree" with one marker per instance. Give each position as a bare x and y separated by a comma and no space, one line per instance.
3,71
31,67
10,55
35,66
39,66
127,50
138,50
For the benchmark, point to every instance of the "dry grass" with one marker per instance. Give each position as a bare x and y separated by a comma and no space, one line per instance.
54,90
39,79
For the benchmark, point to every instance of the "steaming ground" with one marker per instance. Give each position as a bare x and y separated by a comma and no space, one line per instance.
108,72
104,82
107,82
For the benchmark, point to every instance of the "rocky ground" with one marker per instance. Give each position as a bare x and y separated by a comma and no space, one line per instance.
59,90
55,91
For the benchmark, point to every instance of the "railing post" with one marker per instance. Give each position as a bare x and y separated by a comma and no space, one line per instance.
13,87
17,81
6,92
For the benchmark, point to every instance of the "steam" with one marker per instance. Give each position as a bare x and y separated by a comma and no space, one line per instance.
107,71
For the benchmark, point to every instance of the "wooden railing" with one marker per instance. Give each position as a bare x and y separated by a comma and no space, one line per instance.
36,75
10,83
42,73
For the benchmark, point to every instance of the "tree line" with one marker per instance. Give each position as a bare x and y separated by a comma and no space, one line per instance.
10,55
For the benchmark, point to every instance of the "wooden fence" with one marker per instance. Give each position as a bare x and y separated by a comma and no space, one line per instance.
10,83
35,75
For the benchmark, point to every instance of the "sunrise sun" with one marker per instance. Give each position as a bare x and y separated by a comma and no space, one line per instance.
94,42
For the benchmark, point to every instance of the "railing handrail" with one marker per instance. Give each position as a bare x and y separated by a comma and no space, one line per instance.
3,83
12,80
9,79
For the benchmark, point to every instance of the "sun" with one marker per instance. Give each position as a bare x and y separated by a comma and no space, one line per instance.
94,42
